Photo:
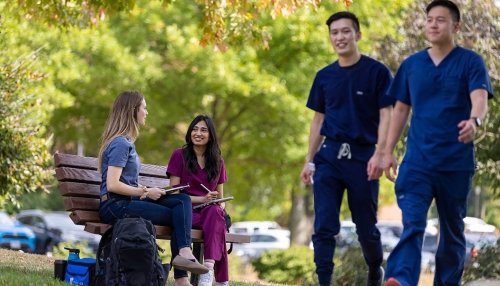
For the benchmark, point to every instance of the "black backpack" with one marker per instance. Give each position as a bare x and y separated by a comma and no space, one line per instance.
229,222
128,255
101,256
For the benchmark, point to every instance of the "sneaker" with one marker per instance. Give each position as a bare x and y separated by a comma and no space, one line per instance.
392,282
379,281
206,279
222,283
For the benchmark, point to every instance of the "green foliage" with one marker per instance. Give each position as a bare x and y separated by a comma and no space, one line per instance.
296,266
222,22
166,255
23,149
255,96
350,268
485,266
292,266
49,201
60,253
154,51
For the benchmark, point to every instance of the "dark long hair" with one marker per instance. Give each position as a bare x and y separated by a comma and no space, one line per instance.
212,153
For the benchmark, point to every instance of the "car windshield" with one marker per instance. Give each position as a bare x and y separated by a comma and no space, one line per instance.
5,220
62,221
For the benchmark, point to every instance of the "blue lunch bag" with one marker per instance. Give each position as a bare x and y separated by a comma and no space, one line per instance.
80,271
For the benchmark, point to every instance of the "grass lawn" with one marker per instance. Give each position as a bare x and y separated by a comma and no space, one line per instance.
23,269
18,268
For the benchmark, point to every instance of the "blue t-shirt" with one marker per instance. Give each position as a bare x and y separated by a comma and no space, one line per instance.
440,98
351,98
120,153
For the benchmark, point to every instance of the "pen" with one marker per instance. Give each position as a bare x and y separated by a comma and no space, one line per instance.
208,191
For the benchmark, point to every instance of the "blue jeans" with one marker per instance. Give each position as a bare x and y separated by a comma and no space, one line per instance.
172,210
416,187
332,177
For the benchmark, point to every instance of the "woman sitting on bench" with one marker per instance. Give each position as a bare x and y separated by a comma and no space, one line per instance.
121,194
199,163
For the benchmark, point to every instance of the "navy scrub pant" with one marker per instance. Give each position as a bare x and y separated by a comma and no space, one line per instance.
331,178
415,189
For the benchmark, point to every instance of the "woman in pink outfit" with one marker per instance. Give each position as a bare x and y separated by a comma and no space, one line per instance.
199,163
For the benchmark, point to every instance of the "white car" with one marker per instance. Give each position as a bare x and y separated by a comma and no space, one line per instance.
261,242
472,224
253,226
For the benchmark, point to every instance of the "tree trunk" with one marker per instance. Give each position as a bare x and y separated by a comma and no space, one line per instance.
301,217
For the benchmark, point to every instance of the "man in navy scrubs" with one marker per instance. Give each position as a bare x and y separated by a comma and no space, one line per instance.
446,87
347,135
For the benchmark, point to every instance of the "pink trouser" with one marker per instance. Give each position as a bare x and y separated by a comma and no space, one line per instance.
210,219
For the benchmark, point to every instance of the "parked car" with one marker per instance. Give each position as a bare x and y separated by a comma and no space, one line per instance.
429,249
261,242
390,231
51,228
472,225
347,236
253,226
13,235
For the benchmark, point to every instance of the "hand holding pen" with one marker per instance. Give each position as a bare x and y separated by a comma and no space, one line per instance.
210,195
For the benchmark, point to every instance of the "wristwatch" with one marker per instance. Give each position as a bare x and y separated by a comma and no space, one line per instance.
477,121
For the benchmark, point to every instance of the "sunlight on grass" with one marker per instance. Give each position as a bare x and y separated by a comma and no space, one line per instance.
24,269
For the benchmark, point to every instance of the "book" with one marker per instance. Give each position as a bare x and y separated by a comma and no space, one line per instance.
221,200
169,190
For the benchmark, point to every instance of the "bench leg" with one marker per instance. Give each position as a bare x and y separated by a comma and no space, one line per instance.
198,253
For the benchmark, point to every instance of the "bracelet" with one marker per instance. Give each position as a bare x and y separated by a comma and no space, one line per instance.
311,166
145,192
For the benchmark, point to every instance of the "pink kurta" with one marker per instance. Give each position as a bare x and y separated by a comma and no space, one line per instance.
210,219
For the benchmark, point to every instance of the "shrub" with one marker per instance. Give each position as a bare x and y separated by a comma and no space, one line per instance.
292,266
350,268
296,266
485,265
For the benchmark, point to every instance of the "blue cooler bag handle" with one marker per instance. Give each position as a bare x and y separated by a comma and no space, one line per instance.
80,271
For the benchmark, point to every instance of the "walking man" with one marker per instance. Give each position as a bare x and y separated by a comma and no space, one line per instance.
347,136
446,87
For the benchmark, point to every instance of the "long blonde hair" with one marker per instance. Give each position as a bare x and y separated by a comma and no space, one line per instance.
122,120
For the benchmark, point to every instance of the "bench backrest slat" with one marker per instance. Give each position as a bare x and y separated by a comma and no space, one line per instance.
80,203
67,174
64,174
81,162
72,189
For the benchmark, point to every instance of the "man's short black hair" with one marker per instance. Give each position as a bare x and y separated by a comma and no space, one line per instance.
344,15
455,12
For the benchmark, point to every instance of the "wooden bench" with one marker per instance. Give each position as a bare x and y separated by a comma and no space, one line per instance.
79,184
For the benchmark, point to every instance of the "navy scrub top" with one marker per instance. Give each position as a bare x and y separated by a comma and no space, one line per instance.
440,98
